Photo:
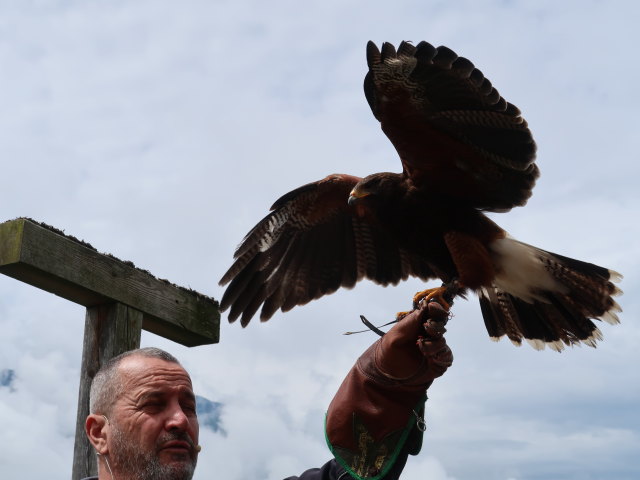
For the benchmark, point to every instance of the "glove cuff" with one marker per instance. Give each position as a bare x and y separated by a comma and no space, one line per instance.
372,416
373,458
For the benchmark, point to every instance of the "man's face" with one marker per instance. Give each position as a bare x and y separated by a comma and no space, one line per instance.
153,425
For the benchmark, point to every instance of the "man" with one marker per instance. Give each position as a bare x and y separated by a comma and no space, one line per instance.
143,422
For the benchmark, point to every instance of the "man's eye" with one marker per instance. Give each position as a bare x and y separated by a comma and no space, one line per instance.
189,409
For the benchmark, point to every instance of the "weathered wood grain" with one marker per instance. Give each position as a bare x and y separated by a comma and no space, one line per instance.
73,270
109,330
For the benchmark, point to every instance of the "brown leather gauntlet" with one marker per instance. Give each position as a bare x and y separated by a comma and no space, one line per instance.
381,399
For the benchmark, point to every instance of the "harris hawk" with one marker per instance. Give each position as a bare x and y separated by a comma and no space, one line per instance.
464,151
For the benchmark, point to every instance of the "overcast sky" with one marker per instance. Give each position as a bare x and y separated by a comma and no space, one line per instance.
161,132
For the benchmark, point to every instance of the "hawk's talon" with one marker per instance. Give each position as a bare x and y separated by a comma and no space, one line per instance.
429,294
401,315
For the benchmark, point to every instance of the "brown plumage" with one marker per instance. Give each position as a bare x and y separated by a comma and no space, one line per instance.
464,150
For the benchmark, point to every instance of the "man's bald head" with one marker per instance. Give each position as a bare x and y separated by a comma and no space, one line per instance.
107,384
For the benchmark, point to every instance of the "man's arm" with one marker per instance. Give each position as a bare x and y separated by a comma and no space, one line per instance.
374,421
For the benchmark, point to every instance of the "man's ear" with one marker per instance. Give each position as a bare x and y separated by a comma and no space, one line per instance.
95,427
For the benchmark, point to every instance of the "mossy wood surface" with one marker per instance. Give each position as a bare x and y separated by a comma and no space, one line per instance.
51,261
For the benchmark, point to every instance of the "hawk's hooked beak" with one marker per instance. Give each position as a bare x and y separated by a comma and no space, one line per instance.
354,196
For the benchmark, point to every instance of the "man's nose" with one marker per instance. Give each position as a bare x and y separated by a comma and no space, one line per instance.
177,419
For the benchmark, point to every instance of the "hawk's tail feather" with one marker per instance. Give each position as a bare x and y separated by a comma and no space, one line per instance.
554,311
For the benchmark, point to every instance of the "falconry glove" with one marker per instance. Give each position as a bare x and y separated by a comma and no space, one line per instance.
378,410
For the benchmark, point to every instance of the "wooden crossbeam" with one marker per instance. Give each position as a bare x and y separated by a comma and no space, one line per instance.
47,259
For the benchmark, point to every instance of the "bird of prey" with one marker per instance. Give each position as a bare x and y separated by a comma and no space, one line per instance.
464,151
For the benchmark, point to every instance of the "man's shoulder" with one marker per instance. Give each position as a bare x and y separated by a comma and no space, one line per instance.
90,478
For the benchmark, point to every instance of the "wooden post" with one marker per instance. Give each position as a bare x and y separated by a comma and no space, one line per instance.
109,330
121,300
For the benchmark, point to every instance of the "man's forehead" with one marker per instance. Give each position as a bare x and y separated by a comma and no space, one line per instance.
138,370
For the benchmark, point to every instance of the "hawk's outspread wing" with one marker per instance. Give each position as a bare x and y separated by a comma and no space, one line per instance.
311,244
455,134
464,150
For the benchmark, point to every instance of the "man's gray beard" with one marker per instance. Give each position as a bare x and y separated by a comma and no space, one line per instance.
141,465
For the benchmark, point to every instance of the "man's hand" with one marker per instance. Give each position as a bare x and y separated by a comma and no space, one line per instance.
397,356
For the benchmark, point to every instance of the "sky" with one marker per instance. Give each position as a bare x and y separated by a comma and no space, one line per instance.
160,132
